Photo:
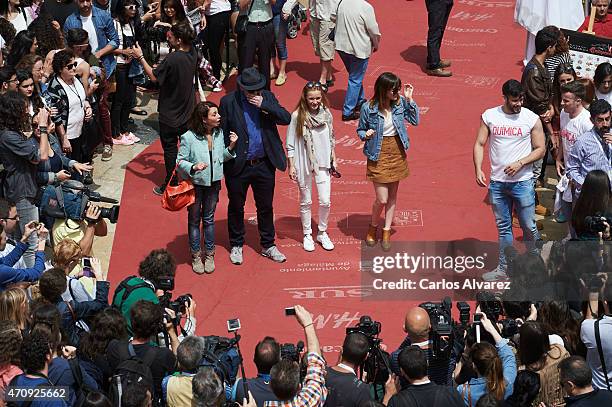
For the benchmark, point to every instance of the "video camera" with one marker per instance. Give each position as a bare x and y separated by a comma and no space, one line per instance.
376,366
291,351
69,201
595,224
166,284
443,327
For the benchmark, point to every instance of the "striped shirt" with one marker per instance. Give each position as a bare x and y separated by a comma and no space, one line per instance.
313,392
553,62
589,153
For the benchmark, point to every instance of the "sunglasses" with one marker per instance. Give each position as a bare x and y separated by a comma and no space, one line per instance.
316,85
130,7
71,66
16,217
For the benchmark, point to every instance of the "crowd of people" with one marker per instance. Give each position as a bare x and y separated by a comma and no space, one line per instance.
69,76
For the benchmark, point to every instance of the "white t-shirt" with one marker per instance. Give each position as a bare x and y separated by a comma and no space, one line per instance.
218,6
605,96
587,335
388,128
509,141
20,23
571,129
76,107
88,26
121,31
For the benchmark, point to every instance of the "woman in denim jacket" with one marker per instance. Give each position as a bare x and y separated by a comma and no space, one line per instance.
201,146
381,126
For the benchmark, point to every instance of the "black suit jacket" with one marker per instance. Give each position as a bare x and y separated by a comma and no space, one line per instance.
271,114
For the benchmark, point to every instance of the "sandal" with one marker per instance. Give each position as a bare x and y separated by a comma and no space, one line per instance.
138,112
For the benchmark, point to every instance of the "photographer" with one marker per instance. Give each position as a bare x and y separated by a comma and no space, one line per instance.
10,275
421,391
81,232
177,388
159,263
345,388
267,354
418,327
285,375
596,333
591,205
208,389
9,221
147,318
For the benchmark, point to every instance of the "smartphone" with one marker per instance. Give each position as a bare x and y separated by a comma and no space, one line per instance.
36,224
86,262
289,311
233,325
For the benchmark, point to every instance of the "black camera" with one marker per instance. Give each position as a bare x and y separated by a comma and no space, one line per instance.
595,224
376,365
69,201
489,304
165,283
290,351
509,328
441,327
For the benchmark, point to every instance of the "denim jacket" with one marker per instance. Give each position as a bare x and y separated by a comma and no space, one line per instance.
370,118
105,31
194,149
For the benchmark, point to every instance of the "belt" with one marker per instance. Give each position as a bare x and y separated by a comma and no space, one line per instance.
255,161
261,23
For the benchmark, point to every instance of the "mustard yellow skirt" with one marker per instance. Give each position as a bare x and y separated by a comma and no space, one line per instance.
391,165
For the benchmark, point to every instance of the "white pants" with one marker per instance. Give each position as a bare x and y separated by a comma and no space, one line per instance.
323,182
529,48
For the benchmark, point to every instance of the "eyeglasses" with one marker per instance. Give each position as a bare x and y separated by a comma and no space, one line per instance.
130,7
15,218
71,66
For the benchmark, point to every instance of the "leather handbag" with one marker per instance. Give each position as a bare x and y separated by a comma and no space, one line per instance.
177,197
242,21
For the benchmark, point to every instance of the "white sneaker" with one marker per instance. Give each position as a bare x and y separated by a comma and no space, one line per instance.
498,274
325,241
309,243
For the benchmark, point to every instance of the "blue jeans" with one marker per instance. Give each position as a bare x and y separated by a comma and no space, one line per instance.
280,33
504,196
356,68
27,212
203,209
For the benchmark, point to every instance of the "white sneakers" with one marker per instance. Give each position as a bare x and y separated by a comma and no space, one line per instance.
497,274
322,238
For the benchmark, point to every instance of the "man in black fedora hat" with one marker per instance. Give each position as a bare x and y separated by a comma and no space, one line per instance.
253,113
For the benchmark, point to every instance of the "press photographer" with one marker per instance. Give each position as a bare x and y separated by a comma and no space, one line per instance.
177,388
267,354
285,375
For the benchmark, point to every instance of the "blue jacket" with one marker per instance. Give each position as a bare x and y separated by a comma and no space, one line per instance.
10,275
106,33
194,149
45,176
371,118
478,386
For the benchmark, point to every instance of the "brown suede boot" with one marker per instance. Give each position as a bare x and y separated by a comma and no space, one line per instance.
209,261
385,243
371,236
196,262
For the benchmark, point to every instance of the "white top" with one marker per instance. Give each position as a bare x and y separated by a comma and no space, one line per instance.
605,96
91,32
571,129
20,22
356,26
76,107
127,30
534,15
388,128
218,6
509,141
587,335
2,43
296,148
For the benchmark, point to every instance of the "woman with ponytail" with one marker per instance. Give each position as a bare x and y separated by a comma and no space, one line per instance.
495,366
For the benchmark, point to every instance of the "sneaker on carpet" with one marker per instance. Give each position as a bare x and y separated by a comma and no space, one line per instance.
132,136
236,255
325,241
308,243
107,152
217,88
498,274
123,141
159,190
274,254
560,218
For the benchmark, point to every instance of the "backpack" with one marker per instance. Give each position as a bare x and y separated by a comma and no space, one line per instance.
131,369
127,290
82,390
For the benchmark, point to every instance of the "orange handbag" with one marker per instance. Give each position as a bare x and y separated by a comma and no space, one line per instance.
177,197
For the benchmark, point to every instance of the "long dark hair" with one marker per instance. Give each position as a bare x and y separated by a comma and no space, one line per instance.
594,199
534,344
557,319
604,69
120,12
385,82
13,112
488,365
564,68
22,44
200,113
107,325
178,8
35,99
47,36
526,389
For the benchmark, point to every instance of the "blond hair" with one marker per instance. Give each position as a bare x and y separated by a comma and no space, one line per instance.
66,252
14,306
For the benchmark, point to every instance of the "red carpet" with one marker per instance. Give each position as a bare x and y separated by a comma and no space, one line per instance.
439,201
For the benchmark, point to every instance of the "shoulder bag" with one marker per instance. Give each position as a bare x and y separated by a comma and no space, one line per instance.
177,197
243,20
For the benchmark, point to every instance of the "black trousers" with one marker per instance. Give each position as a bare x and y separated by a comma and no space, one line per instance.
122,102
261,178
216,28
169,137
258,40
438,12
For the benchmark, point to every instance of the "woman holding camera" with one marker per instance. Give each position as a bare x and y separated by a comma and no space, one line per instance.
200,159
381,126
593,202
19,156
311,155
